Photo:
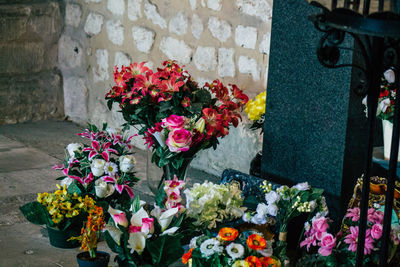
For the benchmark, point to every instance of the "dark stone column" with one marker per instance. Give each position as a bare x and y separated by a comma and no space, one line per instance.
310,133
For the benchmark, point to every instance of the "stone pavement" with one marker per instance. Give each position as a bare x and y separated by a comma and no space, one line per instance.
27,153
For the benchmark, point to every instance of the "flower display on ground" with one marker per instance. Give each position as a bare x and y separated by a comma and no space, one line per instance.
59,209
175,116
246,248
339,249
104,169
209,204
141,235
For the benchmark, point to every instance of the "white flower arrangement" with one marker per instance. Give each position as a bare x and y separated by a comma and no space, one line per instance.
209,203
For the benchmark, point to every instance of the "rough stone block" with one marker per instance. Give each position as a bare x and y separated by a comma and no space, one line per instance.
75,95
197,26
205,59
220,29
134,9
264,44
121,59
176,50
117,7
93,23
193,4
73,13
257,8
150,10
100,73
115,31
13,21
93,1
249,66
246,36
45,21
22,97
215,5
21,57
143,38
178,24
226,64
70,52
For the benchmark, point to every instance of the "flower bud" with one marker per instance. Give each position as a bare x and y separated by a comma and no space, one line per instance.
97,167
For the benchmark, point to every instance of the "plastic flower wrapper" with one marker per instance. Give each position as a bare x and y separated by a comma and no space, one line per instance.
60,209
209,204
328,249
255,109
230,248
104,169
145,236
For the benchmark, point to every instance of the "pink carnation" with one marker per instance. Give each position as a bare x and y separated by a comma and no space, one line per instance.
376,231
354,214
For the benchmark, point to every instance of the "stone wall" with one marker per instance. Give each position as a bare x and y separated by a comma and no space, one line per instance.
226,39
30,82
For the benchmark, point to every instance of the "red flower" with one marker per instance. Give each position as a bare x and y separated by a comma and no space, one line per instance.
186,257
185,102
253,261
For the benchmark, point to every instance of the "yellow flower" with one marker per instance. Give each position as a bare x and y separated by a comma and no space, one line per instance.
256,108
240,263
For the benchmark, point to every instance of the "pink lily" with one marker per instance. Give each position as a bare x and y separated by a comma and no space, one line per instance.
102,150
119,187
91,135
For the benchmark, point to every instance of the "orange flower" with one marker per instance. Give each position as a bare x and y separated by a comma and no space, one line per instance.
269,262
253,261
186,257
228,234
256,242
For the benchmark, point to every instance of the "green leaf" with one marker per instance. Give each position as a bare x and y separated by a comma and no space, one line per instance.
136,204
104,126
165,250
109,104
61,178
112,244
74,188
35,213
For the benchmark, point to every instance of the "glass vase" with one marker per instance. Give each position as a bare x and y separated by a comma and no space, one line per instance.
156,175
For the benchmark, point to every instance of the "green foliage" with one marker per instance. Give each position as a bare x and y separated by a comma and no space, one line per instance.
162,256
35,213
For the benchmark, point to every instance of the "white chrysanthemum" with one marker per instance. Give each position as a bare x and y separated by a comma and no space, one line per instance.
210,246
246,217
235,250
272,210
271,197
302,186
110,168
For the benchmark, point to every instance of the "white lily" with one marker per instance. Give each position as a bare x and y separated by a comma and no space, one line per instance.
115,233
166,217
137,242
142,220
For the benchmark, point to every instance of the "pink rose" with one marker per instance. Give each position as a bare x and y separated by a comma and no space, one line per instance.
376,231
327,243
174,122
147,225
179,140
320,226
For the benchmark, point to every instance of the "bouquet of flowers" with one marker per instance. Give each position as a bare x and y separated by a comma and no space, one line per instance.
208,204
231,248
104,169
284,204
90,233
176,117
144,237
255,110
340,249
387,96
59,210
